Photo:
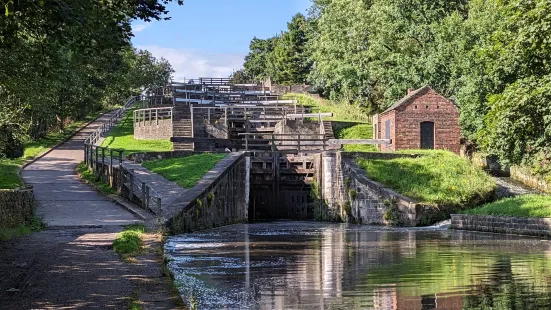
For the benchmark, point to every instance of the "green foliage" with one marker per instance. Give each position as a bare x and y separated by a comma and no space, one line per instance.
342,111
22,230
122,137
520,206
359,131
353,194
185,171
199,203
129,241
87,175
438,177
9,174
258,63
11,145
347,208
392,215
241,77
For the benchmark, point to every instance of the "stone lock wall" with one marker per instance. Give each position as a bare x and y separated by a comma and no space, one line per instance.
220,198
16,207
157,129
523,174
347,194
540,227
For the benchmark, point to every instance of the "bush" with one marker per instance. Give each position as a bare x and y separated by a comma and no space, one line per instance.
11,145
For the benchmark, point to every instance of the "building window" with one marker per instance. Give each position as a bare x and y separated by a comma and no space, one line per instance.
387,129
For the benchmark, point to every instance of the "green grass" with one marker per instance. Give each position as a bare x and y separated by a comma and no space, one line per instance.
122,137
22,230
359,131
521,206
438,177
342,111
185,171
129,241
87,175
9,173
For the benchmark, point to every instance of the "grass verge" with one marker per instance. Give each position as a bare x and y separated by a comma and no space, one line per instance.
342,111
438,177
122,137
129,242
185,171
89,177
358,131
520,206
22,230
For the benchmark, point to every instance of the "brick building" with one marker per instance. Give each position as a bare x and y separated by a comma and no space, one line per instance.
423,119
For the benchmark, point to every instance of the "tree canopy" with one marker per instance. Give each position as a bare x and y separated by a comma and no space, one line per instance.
491,57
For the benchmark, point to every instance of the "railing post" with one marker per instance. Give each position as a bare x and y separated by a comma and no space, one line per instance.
143,195
103,163
131,186
111,168
96,163
299,143
159,206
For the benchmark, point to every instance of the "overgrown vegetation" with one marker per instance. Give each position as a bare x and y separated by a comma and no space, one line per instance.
129,242
87,175
437,177
491,57
21,230
342,111
520,206
358,131
185,171
122,137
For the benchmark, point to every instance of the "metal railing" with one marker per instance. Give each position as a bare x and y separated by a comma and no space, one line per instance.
103,160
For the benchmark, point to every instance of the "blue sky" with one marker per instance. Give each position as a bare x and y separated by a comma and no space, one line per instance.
211,37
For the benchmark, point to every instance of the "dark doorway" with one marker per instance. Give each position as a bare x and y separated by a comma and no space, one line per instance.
427,135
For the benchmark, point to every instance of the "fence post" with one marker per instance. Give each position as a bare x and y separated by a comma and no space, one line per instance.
111,168
159,206
143,196
103,164
121,171
131,186
96,163
299,143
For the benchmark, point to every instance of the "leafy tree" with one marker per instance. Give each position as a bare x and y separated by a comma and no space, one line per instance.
292,63
259,61
240,77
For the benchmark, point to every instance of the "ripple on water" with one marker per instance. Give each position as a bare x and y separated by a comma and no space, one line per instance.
315,266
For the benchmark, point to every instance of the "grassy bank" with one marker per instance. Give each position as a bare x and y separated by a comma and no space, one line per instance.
185,171
521,206
438,177
358,131
342,111
89,177
122,137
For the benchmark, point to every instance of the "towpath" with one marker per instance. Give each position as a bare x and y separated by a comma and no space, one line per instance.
71,264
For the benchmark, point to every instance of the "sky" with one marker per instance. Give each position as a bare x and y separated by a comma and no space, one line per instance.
210,38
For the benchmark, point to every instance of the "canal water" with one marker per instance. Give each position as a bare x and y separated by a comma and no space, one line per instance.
307,265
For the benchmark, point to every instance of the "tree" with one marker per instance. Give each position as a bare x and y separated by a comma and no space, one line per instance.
240,76
259,61
292,62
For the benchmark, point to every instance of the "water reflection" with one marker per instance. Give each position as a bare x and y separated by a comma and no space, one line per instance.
298,265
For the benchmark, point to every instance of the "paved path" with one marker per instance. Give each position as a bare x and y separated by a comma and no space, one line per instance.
62,198
507,187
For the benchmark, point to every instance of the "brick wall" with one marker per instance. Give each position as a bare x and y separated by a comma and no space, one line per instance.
429,107
540,227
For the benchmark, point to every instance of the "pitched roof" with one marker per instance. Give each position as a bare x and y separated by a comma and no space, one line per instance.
407,98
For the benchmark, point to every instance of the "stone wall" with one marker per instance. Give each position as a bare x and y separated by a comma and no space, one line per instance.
277,89
159,129
220,198
347,194
523,174
147,156
16,207
540,227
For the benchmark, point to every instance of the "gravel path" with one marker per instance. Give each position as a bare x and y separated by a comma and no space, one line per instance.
507,187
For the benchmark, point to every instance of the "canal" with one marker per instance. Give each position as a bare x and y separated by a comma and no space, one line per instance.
308,265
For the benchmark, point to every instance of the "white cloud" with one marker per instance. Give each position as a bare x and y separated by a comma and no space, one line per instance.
190,63
140,27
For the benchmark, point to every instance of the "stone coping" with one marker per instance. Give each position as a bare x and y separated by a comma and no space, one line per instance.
529,226
182,202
